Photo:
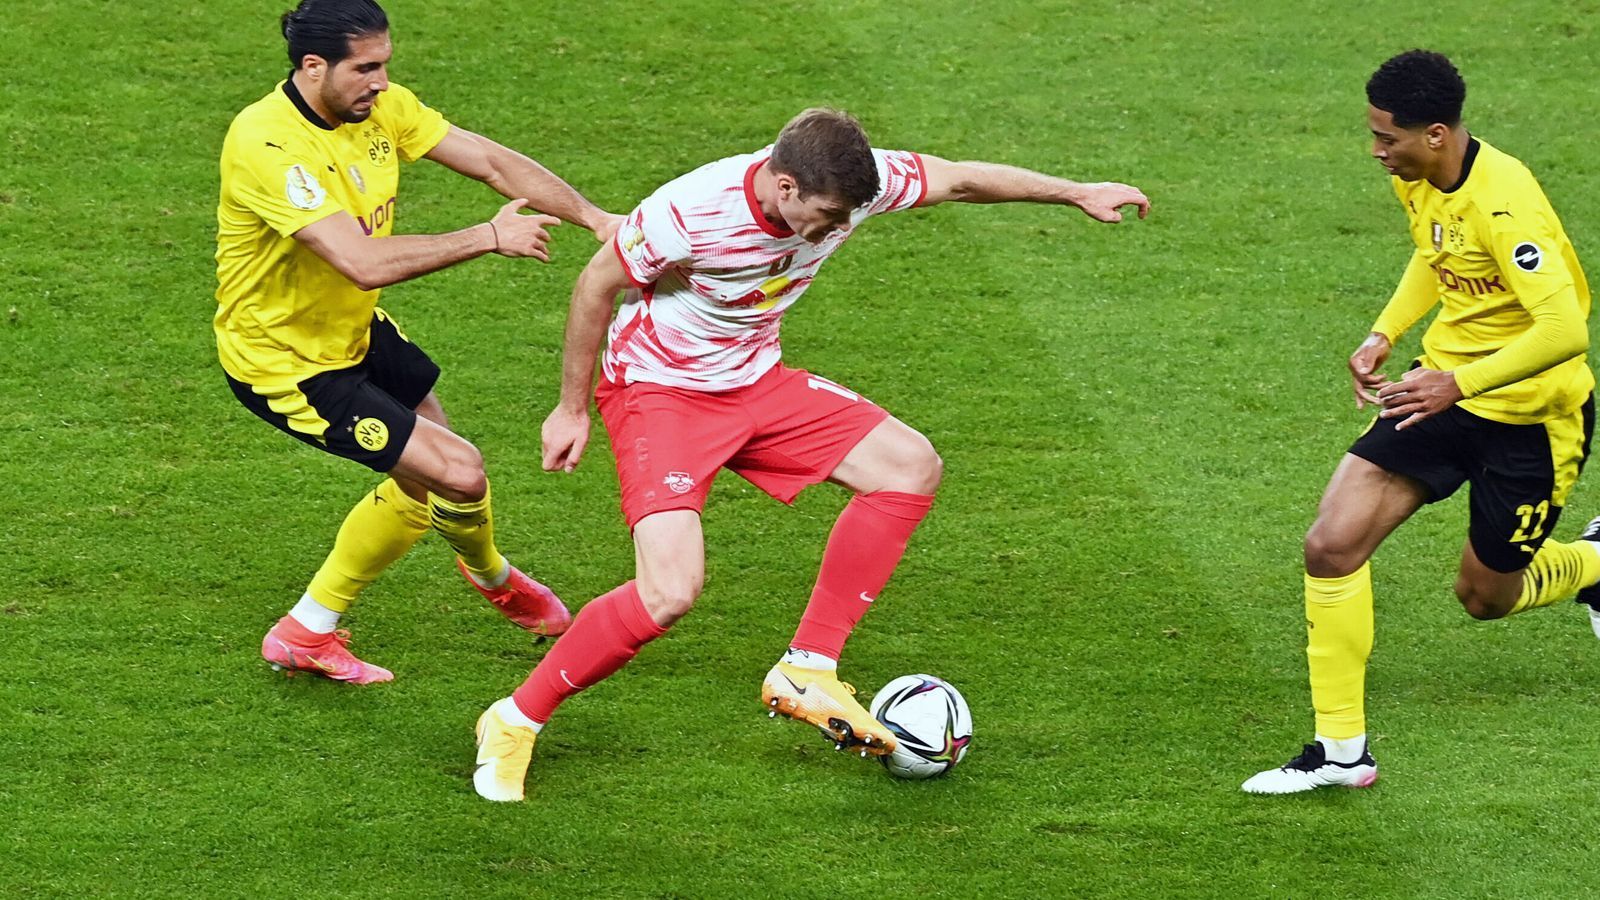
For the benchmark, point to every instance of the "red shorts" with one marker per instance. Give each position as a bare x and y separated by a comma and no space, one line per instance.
784,433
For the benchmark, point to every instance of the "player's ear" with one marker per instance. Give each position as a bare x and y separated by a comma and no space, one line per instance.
787,188
1437,132
313,65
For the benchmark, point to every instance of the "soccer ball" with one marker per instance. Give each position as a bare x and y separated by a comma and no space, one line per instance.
930,721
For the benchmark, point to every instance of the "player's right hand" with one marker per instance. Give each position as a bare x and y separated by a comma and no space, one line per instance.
1364,366
520,235
564,435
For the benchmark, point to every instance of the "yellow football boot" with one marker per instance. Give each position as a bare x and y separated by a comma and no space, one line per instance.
818,697
504,751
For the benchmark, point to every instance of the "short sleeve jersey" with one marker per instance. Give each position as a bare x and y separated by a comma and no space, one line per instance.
712,277
1497,249
283,313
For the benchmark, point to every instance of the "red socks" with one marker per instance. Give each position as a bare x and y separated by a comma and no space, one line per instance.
863,550
605,634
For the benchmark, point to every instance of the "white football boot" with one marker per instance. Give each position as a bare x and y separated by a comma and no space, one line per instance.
1312,769
1590,596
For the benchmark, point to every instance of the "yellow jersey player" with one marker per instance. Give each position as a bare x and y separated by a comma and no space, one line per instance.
304,243
1500,399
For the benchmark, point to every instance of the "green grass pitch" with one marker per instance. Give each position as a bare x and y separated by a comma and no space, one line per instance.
1136,422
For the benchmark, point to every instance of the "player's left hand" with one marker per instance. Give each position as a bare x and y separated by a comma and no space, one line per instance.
606,226
1418,394
1103,202
564,435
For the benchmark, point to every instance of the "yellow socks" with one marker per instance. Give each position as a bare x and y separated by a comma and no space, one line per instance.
469,530
378,531
1557,572
1339,640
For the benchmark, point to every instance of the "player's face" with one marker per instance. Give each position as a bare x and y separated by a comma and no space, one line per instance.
814,217
350,88
1406,152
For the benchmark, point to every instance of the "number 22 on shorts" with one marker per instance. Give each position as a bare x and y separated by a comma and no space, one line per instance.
1527,512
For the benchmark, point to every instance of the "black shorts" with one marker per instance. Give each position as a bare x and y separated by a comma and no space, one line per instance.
1520,474
366,412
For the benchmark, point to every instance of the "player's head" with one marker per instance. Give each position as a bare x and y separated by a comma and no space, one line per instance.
1413,104
824,169
343,48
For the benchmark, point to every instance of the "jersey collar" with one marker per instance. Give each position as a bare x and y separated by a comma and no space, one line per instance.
293,93
1467,160
755,205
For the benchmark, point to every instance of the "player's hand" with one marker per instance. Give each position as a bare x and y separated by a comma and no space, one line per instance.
1364,366
519,235
564,435
1103,202
606,226
1418,394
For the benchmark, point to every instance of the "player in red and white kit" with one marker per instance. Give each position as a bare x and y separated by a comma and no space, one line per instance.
692,381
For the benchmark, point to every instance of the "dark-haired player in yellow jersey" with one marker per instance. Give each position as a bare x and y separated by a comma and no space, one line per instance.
304,243
1501,399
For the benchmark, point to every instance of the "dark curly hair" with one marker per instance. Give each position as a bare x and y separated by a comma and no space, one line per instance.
325,27
1418,87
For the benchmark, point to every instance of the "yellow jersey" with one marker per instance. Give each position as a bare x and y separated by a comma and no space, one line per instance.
283,313
1514,304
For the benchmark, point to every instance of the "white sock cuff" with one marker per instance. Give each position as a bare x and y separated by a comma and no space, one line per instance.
508,711
1345,750
805,659
316,618
497,581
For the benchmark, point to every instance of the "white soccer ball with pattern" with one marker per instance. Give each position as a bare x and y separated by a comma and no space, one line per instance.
930,721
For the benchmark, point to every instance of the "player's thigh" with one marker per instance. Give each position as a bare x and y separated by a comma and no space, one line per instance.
805,427
892,457
431,409
1361,506
443,463
340,412
402,369
669,444
1520,484
669,552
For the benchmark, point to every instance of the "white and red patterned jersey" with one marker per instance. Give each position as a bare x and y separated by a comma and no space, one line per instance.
712,277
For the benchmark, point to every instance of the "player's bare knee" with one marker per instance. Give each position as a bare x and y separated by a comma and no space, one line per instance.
1481,609
926,470
1480,603
1327,557
669,599
918,468
465,480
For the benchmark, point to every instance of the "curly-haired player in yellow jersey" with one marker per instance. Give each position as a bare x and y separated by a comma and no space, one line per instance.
304,243
1501,399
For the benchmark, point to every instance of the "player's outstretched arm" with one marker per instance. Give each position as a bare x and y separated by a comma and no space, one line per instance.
566,430
375,262
518,177
984,182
